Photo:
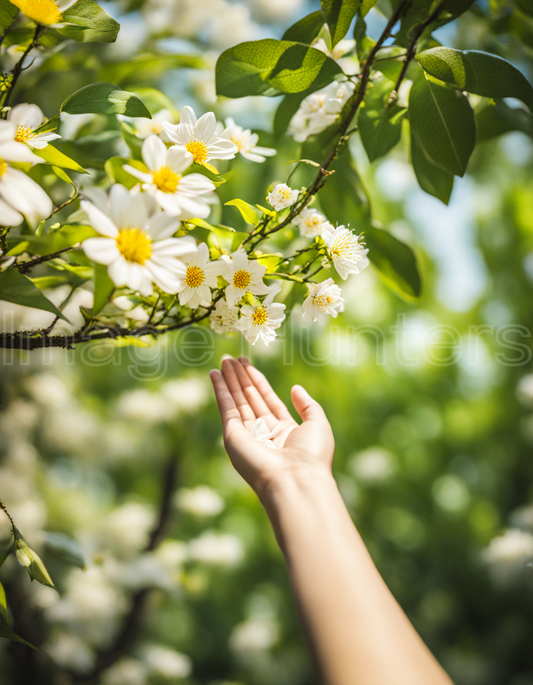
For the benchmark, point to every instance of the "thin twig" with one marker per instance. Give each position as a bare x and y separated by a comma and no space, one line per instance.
20,64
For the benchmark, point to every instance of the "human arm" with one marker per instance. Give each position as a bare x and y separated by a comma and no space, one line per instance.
357,631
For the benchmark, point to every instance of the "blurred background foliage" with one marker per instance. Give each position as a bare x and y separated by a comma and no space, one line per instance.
119,448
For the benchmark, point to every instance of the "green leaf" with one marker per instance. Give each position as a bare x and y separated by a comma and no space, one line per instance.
343,198
6,632
4,620
395,261
16,288
443,124
51,242
248,213
496,118
477,72
103,288
366,6
338,15
525,6
431,178
27,557
271,67
89,23
8,12
380,124
53,156
6,551
66,548
105,98
305,30
287,108
148,67
363,43
114,168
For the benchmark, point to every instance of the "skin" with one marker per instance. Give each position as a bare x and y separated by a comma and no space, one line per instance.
357,632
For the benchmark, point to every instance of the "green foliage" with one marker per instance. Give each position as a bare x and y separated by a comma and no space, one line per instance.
8,12
16,288
66,548
305,30
105,98
51,242
395,261
338,15
248,213
89,23
271,67
54,156
380,120
477,72
103,288
496,118
443,124
430,177
31,560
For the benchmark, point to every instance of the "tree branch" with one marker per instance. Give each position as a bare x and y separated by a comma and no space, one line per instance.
20,64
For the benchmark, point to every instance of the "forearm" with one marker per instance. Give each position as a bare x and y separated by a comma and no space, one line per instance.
358,632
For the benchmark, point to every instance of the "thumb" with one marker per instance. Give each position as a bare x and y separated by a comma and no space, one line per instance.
306,406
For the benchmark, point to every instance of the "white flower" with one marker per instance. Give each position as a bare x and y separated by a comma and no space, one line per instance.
19,194
146,127
198,137
137,248
246,142
311,223
223,317
201,275
27,118
125,671
262,320
320,110
524,390
373,465
177,194
323,298
244,276
200,501
69,651
254,636
216,549
348,254
509,554
126,529
282,196
262,433
166,663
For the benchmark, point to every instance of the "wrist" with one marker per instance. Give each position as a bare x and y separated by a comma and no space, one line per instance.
290,487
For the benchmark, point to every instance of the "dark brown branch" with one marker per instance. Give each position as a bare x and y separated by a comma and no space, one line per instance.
133,620
24,267
20,64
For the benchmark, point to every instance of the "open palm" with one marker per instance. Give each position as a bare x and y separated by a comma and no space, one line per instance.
243,396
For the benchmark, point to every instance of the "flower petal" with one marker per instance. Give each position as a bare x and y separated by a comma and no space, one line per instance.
99,221
101,250
154,152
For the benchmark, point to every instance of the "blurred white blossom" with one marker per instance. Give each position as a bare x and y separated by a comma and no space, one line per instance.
166,663
509,554
216,549
126,671
201,501
70,652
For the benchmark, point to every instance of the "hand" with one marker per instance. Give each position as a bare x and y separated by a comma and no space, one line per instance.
243,396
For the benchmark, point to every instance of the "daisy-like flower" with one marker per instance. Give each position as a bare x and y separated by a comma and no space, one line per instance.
223,317
262,433
349,255
137,244
311,223
244,276
20,196
27,118
261,321
246,142
282,196
199,138
154,126
201,275
320,110
323,298
177,194
43,12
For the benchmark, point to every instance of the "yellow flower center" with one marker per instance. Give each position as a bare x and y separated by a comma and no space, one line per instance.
166,179
24,133
260,316
134,245
198,150
285,194
195,276
44,12
343,247
3,167
237,141
241,279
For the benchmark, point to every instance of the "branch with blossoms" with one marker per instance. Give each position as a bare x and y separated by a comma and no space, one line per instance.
142,237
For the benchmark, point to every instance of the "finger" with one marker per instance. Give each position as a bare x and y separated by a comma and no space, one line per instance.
230,415
256,402
273,402
230,376
306,406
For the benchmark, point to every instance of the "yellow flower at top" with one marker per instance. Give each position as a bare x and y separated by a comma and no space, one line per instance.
44,12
